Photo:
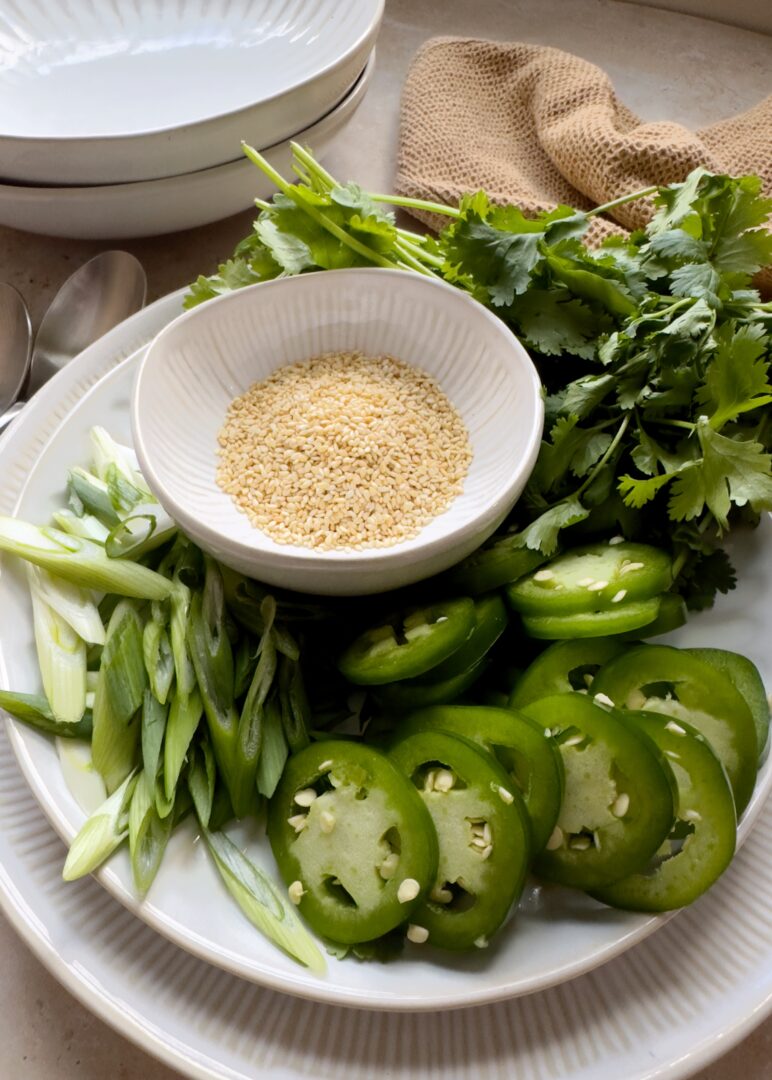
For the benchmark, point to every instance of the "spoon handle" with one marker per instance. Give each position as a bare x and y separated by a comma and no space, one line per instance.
10,414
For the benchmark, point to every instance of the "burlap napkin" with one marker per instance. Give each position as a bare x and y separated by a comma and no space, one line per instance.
536,126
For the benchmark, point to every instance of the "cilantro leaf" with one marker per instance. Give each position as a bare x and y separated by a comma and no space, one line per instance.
501,261
736,379
637,492
553,323
542,534
735,471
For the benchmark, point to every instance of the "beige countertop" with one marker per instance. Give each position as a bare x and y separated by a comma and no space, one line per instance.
666,66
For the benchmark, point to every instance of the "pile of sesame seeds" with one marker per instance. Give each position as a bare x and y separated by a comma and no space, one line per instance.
343,451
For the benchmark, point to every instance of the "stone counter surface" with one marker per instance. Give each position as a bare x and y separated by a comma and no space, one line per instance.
665,66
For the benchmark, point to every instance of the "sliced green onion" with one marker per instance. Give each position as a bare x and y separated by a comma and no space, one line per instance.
146,529
148,834
202,774
81,561
101,834
262,902
157,653
86,526
118,696
34,710
106,452
88,492
184,716
61,658
274,751
154,716
74,604
295,710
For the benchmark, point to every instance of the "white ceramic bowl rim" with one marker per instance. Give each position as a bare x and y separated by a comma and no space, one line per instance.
127,136
374,557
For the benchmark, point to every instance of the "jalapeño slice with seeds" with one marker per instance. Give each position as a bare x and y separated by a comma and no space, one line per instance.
619,799
662,679
745,677
621,619
595,578
528,756
563,667
483,833
352,839
701,843
408,644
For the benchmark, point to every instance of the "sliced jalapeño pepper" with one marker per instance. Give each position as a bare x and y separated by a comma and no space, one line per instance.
590,624
483,834
563,667
530,758
352,839
702,841
498,562
661,679
619,800
595,578
449,679
745,677
408,644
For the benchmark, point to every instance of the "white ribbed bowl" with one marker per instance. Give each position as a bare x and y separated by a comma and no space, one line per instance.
198,364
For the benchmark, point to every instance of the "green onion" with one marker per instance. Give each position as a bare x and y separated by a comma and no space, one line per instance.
71,602
295,710
252,714
157,653
154,715
274,751
148,834
146,529
34,710
202,775
101,834
81,561
61,658
212,657
107,455
88,493
118,696
86,526
184,716
262,902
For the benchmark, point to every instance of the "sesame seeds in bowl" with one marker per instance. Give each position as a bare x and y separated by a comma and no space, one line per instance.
344,432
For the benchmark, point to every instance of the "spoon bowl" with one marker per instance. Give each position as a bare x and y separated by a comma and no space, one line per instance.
15,344
99,295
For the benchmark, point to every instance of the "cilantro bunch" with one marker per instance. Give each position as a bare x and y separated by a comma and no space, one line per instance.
654,350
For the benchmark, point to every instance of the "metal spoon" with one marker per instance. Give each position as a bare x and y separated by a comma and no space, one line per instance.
15,344
102,293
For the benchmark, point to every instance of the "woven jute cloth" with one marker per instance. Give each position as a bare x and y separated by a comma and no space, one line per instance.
535,126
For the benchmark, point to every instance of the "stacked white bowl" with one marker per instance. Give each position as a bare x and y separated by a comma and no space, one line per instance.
125,117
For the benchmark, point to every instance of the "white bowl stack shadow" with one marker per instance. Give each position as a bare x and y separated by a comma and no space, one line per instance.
125,118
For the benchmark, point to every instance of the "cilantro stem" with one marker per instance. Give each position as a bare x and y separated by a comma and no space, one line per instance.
417,204
321,219
606,457
406,247
685,424
622,200
313,166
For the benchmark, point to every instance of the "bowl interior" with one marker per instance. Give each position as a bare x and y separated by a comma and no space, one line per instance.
206,358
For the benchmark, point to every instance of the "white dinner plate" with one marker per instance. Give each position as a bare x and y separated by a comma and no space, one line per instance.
153,207
557,933
123,90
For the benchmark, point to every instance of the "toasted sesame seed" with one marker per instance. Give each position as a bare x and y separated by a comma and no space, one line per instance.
618,597
343,451
326,822
506,796
417,934
296,892
408,890
621,805
305,796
